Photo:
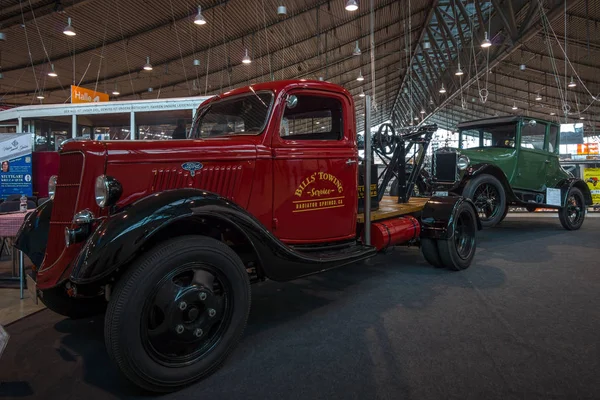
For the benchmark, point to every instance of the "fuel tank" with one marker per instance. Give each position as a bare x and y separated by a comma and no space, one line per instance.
394,231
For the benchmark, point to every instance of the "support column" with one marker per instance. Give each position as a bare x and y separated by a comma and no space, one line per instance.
132,132
367,166
20,125
74,126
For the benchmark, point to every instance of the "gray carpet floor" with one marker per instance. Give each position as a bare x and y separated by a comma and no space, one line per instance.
522,323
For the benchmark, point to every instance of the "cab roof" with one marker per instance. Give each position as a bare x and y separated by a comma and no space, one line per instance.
498,121
278,86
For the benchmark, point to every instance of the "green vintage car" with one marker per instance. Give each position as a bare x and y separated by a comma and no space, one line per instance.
510,161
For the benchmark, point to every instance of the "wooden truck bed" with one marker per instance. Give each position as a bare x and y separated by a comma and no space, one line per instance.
389,207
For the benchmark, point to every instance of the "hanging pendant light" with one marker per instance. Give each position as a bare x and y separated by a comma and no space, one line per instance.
514,107
148,66
442,89
115,91
40,96
351,5
360,77
422,111
246,59
356,51
538,97
281,11
362,93
572,83
486,41
459,71
196,63
69,31
552,113
52,73
199,20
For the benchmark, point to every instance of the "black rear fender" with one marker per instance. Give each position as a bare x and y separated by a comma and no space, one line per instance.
439,214
566,184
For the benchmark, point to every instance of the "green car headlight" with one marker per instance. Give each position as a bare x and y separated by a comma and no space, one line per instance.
463,162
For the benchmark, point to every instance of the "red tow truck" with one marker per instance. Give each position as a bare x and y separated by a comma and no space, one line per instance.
166,238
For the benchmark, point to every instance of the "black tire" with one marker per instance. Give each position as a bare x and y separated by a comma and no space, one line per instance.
457,252
144,316
430,252
57,300
571,217
489,197
504,214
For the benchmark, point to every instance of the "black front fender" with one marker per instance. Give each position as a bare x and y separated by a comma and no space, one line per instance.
439,214
32,237
490,169
118,239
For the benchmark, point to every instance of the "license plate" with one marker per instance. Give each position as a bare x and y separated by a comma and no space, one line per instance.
440,194
32,288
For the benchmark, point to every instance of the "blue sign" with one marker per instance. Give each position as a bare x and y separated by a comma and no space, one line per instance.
16,170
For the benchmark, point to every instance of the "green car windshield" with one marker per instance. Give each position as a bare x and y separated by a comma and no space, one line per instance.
488,136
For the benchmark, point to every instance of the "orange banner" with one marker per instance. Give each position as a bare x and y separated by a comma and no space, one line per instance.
83,95
588,148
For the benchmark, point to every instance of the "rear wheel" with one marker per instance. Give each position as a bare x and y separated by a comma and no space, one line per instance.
572,215
487,193
430,252
178,313
457,252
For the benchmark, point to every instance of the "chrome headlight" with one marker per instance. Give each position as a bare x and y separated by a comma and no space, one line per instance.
107,191
52,186
463,162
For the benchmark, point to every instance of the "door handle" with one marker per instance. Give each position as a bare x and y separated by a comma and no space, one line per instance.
350,161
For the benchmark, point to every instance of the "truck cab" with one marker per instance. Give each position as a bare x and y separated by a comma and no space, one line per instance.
165,237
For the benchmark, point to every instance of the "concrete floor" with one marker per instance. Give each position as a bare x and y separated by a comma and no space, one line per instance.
521,323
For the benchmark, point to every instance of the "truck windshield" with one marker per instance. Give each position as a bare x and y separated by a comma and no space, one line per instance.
489,136
240,115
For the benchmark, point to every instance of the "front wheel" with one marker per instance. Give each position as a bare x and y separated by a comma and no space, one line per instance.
487,193
177,313
572,215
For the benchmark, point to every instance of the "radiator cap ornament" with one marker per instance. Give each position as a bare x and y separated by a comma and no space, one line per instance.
192,167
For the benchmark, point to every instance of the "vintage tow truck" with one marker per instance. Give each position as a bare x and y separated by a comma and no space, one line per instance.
167,237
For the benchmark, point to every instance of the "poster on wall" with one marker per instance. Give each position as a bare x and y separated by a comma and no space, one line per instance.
15,155
591,176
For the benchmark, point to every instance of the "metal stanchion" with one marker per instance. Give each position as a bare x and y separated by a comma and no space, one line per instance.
21,272
368,161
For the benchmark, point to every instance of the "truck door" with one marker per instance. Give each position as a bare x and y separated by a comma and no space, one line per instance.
533,158
315,169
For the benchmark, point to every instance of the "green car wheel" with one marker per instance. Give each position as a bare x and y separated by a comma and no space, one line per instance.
489,197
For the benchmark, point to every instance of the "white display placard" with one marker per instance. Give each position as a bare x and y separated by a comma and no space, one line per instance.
553,197
4,336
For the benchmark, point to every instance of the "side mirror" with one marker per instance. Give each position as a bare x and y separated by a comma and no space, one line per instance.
292,101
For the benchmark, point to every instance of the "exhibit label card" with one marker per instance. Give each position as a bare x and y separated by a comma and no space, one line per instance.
553,197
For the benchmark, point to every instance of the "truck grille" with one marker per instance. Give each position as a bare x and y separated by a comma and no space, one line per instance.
445,166
70,171
220,179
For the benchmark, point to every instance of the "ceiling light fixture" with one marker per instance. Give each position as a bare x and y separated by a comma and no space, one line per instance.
356,51
196,63
553,113
69,31
40,96
52,73
422,111
360,77
148,66
351,5
459,71
486,41
581,117
246,59
538,97
572,83
281,10
514,107
442,89
362,93
199,20
115,91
